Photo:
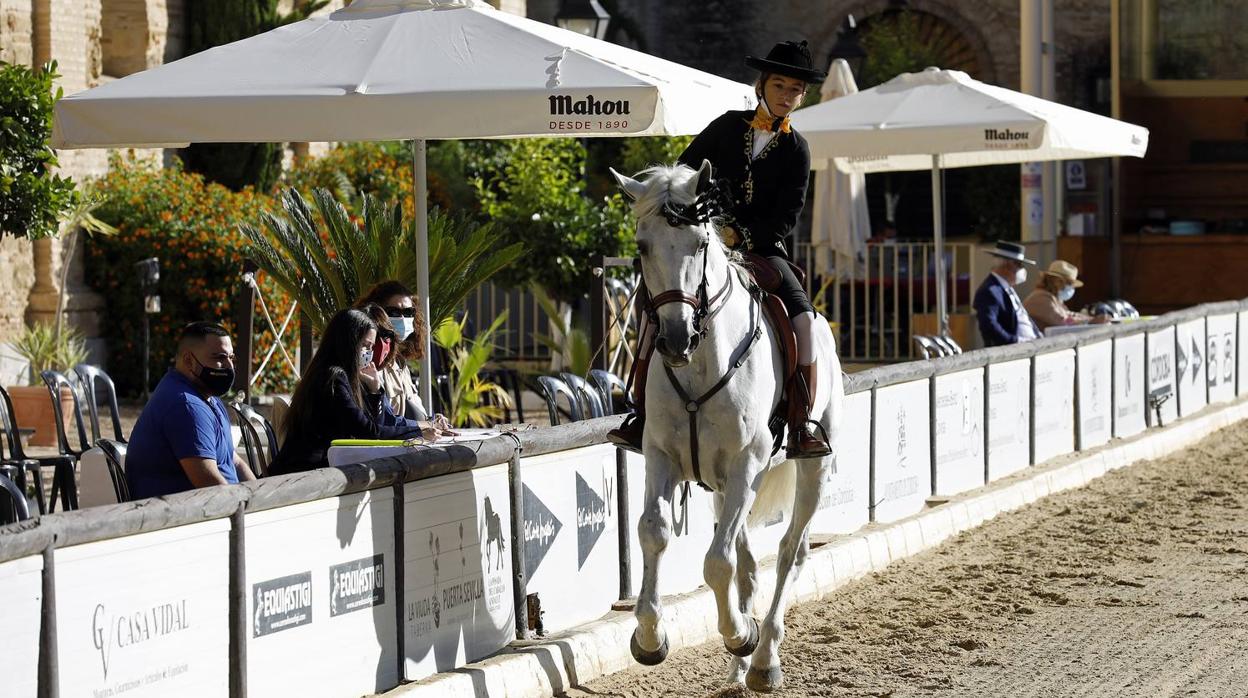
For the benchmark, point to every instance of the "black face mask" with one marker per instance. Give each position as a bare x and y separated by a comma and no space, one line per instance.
218,381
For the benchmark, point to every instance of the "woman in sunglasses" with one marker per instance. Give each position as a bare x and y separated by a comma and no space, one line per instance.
409,329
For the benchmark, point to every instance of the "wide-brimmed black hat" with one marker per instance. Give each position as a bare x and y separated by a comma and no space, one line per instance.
1012,251
788,58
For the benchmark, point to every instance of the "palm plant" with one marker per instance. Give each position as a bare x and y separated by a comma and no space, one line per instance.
474,400
329,257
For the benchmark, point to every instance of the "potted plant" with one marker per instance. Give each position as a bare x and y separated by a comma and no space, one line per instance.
45,348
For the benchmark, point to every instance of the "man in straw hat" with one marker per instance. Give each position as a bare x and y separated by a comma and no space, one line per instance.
1047,303
1002,317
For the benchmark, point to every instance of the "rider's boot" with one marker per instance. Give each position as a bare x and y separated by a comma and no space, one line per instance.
628,435
807,438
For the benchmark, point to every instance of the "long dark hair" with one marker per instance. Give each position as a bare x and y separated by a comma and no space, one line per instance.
336,355
410,348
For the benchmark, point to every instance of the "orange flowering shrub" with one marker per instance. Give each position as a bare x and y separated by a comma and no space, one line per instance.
192,227
383,170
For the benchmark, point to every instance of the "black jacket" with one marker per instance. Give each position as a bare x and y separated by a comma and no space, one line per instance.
780,175
337,416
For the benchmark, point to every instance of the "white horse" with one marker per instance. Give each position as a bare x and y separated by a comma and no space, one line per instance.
708,322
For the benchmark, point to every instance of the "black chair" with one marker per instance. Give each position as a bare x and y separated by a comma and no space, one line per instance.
951,347
551,389
57,382
927,347
92,378
247,419
509,380
13,507
63,466
116,468
590,399
608,383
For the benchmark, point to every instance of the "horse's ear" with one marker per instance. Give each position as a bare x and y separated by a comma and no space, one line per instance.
704,177
631,187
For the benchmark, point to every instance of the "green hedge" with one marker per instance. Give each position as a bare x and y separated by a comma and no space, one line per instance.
192,227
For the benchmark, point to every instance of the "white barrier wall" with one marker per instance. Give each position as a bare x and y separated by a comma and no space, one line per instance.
572,534
1053,405
1241,372
958,399
457,574
1191,366
903,470
1096,393
1130,390
1220,336
1009,417
21,588
1161,399
845,504
321,574
145,615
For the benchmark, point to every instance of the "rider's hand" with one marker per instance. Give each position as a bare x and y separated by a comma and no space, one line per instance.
729,235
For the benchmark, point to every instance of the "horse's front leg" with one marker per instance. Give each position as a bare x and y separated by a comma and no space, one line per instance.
765,675
740,631
747,582
654,530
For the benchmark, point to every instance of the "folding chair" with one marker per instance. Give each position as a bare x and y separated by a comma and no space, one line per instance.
552,388
591,401
91,378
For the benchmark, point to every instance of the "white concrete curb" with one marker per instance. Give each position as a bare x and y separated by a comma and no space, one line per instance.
546,668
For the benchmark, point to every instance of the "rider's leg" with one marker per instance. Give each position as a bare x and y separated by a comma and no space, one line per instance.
628,435
805,441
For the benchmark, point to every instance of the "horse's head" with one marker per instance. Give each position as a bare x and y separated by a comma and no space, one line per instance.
673,206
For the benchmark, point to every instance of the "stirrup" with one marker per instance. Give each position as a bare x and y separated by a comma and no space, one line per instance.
820,440
628,435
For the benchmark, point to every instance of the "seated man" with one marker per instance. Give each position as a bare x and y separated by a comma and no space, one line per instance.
1047,303
999,310
182,439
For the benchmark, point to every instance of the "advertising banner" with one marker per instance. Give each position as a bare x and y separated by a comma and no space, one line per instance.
145,615
21,587
571,531
959,426
1053,404
844,506
1130,393
1221,359
1161,402
1241,381
1096,393
1191,366
457,578
1009,417
321,574
903,471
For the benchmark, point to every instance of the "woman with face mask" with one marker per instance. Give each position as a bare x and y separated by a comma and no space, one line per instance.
409,329
1047,303
339,397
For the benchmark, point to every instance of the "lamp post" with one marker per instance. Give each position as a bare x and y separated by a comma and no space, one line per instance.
848,47
583,17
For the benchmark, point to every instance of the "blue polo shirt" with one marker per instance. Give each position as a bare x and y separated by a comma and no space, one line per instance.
177,423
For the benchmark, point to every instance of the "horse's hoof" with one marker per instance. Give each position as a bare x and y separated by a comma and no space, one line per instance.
751,641
764,680
648,658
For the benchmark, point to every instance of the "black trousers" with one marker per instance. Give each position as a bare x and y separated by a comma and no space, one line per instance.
790,291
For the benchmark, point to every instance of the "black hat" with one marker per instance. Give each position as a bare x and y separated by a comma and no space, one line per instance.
788,58
1012,251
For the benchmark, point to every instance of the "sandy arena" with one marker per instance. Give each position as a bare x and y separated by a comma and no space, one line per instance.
1136,585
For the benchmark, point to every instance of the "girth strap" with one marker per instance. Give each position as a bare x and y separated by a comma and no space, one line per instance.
692,406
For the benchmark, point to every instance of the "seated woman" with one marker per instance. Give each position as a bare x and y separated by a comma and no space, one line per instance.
339,397
385,357
1047,303
398,304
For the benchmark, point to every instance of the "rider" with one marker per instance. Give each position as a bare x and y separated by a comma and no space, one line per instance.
766,165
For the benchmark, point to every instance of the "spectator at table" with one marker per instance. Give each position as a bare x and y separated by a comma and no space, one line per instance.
182,439
409,327
339,397
998,309
1047,302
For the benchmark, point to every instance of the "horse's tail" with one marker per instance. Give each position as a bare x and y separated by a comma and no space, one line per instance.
775,494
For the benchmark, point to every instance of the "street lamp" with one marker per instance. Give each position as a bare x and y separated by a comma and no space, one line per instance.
583,17
848,48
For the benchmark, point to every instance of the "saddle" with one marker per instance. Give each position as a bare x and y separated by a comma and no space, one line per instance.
767,279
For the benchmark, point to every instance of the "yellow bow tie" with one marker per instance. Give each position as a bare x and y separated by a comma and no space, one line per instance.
765,122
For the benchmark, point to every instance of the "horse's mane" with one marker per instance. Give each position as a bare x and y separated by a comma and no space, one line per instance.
666,183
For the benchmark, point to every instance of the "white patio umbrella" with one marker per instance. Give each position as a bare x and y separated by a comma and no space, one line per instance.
400,70
840,223
944,118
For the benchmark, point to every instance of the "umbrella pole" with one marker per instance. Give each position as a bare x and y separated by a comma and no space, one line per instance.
420,188
938,223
